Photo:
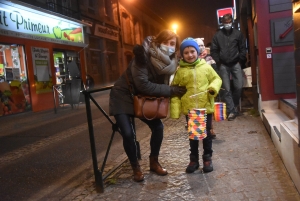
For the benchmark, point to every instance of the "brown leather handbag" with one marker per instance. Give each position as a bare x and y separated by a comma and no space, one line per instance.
149,107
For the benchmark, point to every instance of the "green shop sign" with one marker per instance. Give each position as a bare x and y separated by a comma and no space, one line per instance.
32,24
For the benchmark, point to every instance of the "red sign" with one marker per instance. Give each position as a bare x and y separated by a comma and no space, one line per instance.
223,11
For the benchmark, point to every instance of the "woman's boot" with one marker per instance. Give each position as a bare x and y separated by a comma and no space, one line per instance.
207,163
156,167
137,172
194,164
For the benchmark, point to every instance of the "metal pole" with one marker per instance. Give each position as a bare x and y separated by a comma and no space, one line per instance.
98,174
53,88
108,148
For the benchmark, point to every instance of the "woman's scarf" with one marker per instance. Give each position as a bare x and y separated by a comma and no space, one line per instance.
162,63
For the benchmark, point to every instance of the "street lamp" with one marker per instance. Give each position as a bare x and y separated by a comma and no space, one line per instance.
174,27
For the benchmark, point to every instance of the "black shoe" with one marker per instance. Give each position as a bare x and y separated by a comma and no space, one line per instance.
207,163
192,167
186,126
231,117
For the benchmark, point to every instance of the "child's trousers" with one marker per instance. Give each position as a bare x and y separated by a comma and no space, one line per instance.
207,142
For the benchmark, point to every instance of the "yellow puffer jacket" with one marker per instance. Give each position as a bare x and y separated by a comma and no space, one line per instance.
197,77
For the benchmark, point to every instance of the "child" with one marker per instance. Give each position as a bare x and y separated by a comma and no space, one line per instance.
197,76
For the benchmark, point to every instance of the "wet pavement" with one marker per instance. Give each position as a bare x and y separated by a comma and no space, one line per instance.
246,167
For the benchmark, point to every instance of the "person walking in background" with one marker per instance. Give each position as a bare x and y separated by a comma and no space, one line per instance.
204,55
148,74
228,49
197,76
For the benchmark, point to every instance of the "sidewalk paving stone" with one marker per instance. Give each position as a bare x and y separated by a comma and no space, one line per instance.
246,167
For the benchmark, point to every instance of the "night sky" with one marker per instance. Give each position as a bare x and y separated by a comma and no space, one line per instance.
195,18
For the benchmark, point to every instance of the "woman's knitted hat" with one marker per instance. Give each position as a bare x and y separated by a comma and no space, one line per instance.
189,42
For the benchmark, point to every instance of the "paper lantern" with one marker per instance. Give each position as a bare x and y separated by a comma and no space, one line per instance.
197,124
220,111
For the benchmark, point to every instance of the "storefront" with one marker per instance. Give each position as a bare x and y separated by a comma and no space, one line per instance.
37,50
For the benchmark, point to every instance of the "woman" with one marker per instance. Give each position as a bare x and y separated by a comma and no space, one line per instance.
148,74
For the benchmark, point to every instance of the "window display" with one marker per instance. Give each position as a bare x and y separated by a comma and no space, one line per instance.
14,88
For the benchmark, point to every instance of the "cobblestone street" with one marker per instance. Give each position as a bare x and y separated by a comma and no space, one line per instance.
246,167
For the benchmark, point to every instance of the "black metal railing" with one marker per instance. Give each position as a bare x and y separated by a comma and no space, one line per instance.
62,10
58,8
58,95
99,177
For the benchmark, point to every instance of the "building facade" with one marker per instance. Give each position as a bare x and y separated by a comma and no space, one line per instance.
102,53
272,28
115,27
73,38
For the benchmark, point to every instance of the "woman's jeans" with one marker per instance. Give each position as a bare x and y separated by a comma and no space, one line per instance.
207,142
231,96
129,136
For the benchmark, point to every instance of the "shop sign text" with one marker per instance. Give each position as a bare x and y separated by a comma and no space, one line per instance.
39,25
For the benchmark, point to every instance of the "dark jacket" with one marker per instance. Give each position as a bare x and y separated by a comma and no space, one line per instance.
142,77
228,48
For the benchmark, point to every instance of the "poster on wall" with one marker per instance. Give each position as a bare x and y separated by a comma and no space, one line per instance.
1,70
42,71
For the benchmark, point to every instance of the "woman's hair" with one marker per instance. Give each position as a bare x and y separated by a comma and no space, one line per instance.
166,35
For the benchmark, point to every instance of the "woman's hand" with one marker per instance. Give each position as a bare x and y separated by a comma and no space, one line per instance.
178,90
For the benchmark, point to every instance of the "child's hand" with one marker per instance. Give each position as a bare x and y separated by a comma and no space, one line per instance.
211,92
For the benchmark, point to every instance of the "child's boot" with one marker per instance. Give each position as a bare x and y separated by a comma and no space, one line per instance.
194,164
207,163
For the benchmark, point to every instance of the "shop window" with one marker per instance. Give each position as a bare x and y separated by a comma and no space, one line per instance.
137,34
95,61
82,2
51,5
111,55
115,11
145,29
91,7
66,7
109,9
128,56
14,86
127,28
95,56
105,9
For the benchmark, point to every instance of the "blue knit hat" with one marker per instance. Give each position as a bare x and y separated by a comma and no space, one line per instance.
189,42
